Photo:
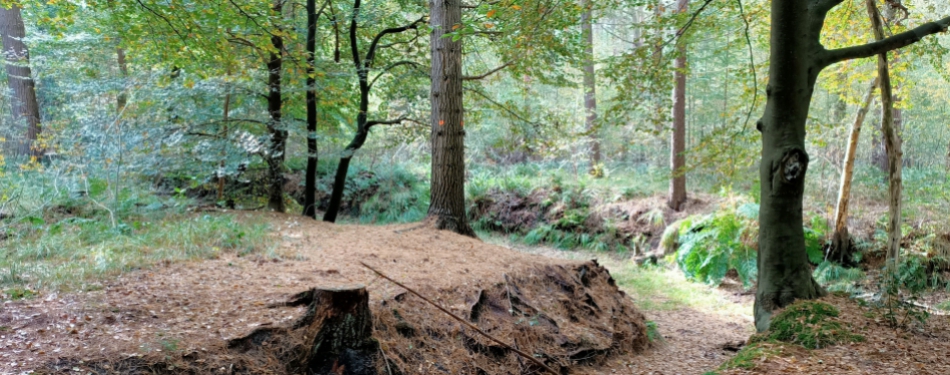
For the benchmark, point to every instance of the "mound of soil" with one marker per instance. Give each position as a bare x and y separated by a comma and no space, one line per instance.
205,317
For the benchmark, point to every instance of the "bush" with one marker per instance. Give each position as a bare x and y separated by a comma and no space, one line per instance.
709,246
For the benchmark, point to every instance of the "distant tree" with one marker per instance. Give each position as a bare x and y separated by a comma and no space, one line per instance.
590,86
797,58
678,135
841,240
26,109
310,183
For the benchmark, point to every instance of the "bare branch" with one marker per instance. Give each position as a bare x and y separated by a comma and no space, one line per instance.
490,72
371,54
888,44
372,123
390,67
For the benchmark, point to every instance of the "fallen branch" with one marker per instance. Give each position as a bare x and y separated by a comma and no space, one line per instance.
460,320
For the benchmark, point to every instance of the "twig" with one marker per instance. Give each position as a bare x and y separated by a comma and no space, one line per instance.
511,310
460,320
382,353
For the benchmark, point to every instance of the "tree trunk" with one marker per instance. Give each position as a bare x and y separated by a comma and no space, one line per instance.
892,143
447,199
840,250
784,272
122,99
590,88
657,62
26,110
334,336
678,138
222,176
278,135
310,185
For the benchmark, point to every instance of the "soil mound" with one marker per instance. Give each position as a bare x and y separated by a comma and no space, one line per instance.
207,317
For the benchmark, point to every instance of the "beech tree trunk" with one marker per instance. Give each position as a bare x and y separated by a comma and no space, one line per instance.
26,110
840,250
274,156
447,200
678,137
310,185
590,87
797,58
892,144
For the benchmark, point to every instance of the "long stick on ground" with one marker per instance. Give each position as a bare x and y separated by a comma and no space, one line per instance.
460,320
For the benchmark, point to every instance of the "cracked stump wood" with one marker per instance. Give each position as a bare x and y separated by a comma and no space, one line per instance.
447,201
334,336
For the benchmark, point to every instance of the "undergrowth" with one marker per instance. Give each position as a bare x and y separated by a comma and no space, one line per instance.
68,234
809,324
709,246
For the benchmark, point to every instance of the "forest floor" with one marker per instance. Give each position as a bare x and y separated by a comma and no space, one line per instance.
155,319
177,313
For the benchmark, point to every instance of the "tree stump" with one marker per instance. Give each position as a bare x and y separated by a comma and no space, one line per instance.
334,337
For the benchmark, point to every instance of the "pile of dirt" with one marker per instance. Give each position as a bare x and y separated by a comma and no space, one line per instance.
197,317
637,223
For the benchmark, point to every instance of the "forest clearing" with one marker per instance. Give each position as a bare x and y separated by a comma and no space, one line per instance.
359,187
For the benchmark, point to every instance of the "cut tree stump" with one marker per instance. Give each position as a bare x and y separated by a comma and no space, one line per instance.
333,337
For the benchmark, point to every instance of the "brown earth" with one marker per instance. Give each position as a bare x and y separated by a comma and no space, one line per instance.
180,318
886,350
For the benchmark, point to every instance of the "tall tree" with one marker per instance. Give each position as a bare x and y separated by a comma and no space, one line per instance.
841,240
363,65
892,143
26,110
310,185
274,157
797,58
590,86
678,137
447,202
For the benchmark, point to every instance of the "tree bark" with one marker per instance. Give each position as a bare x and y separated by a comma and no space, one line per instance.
590,87
121,99
447,199
678,137
278,135
841,239
310,185
784,272
26,110
892,143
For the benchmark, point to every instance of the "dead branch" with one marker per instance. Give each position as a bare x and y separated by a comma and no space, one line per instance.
469,325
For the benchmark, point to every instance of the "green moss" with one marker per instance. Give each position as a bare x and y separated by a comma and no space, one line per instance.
809,324
746,358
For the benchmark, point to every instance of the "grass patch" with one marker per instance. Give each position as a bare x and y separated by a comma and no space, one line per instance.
809,324
749,355
662,289
72,252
